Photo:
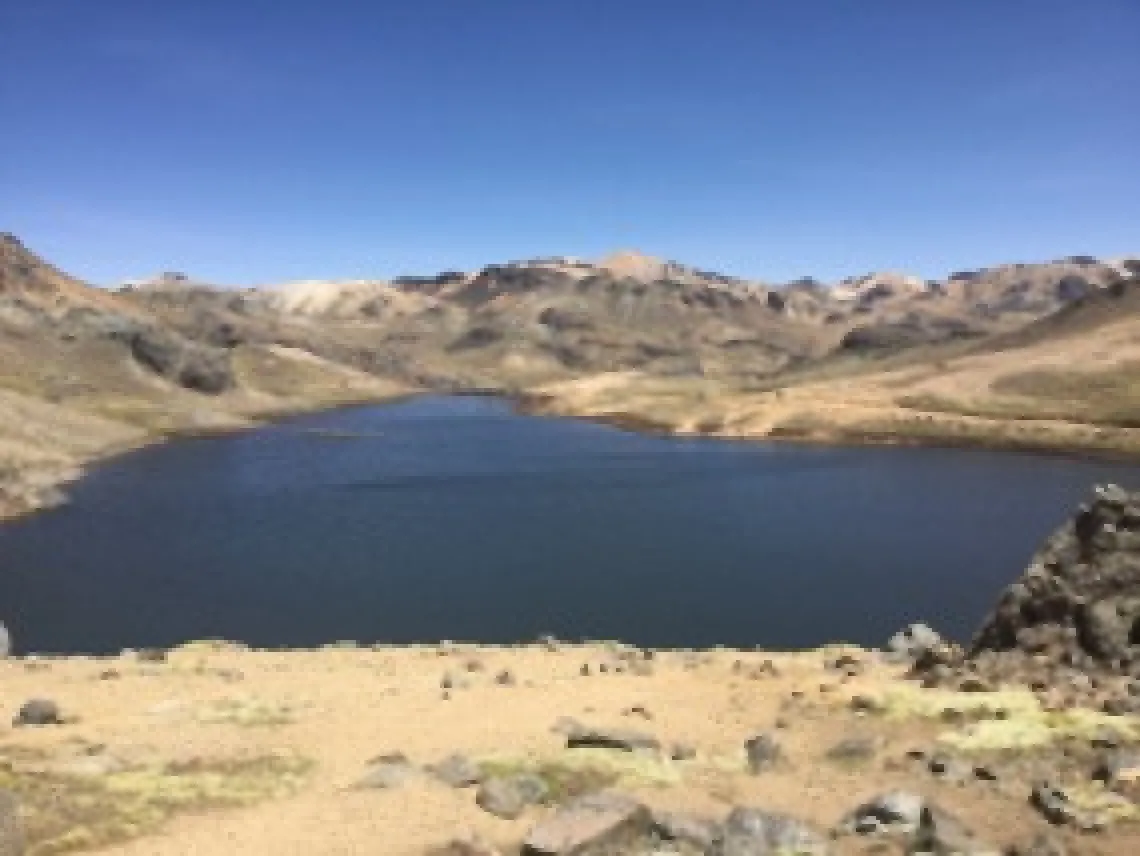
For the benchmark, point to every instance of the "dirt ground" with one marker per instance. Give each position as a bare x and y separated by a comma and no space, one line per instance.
222,750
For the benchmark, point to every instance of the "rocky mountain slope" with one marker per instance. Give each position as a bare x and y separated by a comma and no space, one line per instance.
992,356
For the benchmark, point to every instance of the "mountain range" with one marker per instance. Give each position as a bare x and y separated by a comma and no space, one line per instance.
1042,355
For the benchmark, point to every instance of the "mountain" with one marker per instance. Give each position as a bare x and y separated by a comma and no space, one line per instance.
1037,355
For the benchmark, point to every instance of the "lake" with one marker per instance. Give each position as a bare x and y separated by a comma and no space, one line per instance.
456,518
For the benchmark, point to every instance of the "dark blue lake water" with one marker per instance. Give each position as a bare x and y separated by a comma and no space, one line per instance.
455,518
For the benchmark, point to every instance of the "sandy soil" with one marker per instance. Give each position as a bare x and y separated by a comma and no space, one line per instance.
340,707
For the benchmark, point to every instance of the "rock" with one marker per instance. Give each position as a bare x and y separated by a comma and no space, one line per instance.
12,842
894,811
683,752
853,750
940,834
39,711
1078,600
866,704
387,771
912,641
5,641
584,671
457,771
763,753
699,832
1057,807
754,832
151,655
1120,769
950,769
508,796
505,678
623,739
593,825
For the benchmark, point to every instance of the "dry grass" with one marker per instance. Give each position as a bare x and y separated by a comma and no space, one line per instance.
64,813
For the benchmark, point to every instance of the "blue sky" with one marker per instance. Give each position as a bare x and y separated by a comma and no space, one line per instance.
249,142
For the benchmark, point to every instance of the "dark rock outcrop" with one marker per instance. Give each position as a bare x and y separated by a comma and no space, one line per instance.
1079,601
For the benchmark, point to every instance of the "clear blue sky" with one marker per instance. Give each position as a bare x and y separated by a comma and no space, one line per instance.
259,141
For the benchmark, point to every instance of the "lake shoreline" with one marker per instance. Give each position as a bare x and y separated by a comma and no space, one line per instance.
39,489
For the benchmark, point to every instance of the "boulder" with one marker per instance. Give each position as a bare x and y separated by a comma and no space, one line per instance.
38,711
853,750
623,739
457,771
763,752
686,829
1120,769
508,796
1079,600
387,771
913,641
891,812
941,834
754,832
12,842
593,825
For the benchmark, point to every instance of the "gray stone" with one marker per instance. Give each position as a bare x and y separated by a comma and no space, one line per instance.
5,641
457,771
893,811
753,832
700,832
39,711
593,825
763,753
508,796
853,750
624,739
941,834
1121,767
387,771
913,641
1057,807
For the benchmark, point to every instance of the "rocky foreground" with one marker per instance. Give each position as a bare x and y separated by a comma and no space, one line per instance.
1026,742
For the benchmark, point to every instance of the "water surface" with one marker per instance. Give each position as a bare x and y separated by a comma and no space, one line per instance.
454,518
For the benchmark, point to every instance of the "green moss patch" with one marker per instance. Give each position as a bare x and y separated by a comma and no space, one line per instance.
64,813
579,771
1005,720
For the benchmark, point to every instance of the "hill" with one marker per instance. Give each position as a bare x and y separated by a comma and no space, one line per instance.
1033,355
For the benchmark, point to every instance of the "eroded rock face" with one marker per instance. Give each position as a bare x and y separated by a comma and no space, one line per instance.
1079,601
